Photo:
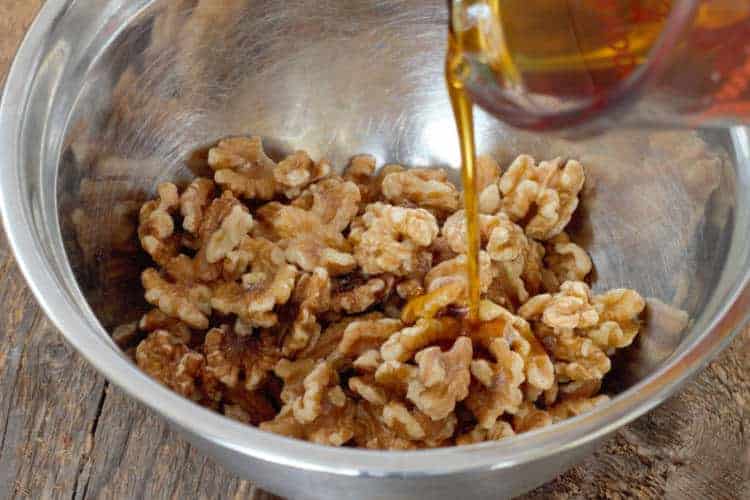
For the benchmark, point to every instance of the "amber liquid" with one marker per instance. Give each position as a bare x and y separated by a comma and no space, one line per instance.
464,115
567,51
531,62
547,64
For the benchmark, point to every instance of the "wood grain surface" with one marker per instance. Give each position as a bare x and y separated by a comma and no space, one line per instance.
66,433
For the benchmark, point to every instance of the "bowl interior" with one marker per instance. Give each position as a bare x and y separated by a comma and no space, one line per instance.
662,212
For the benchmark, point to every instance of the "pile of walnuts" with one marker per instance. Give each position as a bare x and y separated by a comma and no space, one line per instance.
331,307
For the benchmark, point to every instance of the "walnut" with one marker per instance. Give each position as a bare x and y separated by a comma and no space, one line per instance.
368,361
409,288
513,257
507,287
397,416
497,322
581,389
235,369
566,261
217,364
313,296
166,358
191,304
333,428
320,384
237,262
455,232
499,430
395,428
259,355
429,305
241,165
366,389
392,238
610,335
425,188
381,390
609,319
297,171
454,271
361,170
395,375
233,228
326,345
355,296
236,412
529,417
194,201
416,426
516,280
126,334
156,227
371,432
284,287
534,270
496,387
576,358
293,374
515,260
401,345
488,175
549,191
224,225
249,407
312,234
441,250
309,252
618,313
573,407
286,222
547,398
442,379
392,306
322,413
155,319
507,241
269,283
571,307
335,202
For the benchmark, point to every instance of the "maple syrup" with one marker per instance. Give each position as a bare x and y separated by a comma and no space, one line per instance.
551,64
572,50
463,112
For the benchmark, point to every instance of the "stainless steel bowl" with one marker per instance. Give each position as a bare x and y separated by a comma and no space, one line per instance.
107,97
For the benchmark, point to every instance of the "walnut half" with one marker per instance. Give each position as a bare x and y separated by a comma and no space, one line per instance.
334,308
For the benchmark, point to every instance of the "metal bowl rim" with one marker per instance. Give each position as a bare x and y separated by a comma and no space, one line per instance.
88,338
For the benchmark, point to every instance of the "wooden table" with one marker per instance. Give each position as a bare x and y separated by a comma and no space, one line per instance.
65,432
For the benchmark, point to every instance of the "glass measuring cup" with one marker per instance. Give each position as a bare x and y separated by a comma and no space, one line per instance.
554,64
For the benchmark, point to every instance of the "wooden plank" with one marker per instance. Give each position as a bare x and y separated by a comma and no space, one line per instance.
49,398
136,455
15,18
696,445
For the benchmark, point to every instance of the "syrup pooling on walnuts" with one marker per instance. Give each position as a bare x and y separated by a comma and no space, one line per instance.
333,307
